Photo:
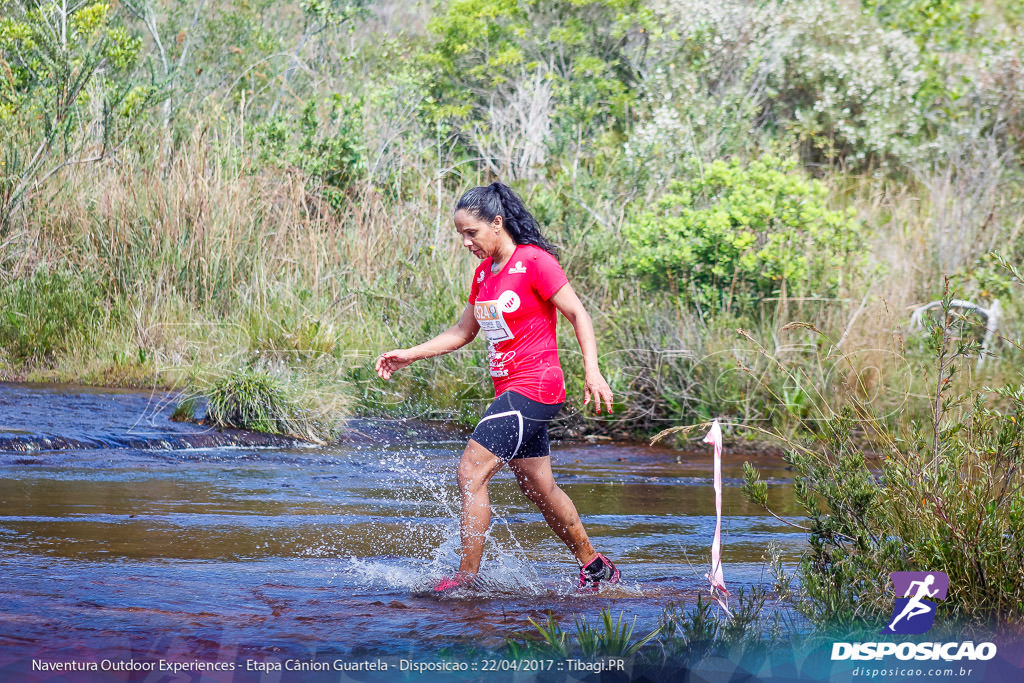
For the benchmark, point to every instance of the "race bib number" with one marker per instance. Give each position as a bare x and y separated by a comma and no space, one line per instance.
490,316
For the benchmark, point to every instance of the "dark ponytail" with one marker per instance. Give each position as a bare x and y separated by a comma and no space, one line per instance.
498,199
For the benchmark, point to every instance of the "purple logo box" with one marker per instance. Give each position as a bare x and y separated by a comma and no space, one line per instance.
902,581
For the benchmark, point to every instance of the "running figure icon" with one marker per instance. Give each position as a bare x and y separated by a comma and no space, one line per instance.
914,605
913,609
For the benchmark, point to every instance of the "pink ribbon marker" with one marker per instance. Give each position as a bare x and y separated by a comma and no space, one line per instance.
717,580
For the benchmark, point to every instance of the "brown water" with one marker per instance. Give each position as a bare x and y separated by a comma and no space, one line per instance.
129,545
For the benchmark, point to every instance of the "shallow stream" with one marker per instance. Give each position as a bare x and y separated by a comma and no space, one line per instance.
131,536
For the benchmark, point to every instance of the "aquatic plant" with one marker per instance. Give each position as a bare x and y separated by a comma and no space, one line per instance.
682,639
613,638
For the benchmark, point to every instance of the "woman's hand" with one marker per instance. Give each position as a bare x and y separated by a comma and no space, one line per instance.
594,386
388,362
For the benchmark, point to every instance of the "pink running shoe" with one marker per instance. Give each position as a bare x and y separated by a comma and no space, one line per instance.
599,569
449,585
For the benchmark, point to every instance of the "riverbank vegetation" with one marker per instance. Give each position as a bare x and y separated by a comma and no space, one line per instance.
945,495
193,195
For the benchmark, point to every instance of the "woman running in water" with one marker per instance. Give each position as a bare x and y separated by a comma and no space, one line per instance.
514,296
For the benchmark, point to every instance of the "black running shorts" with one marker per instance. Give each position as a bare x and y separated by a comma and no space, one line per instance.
516,427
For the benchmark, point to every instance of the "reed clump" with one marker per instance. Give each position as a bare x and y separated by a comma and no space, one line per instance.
264,399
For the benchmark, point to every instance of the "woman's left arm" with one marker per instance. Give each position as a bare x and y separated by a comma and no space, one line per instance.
566,301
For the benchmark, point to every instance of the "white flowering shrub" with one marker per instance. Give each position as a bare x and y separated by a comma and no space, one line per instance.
698,100
823,72
997,81
659,143
844,84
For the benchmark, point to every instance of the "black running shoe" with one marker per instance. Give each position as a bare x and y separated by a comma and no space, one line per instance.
599,569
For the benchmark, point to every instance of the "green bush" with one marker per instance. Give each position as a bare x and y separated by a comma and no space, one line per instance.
741,233
515,74
327,145
946,23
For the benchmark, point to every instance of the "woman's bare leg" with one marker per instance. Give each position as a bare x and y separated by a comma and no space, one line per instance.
538,483
476,468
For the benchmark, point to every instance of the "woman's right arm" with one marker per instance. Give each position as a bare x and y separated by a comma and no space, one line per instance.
455,337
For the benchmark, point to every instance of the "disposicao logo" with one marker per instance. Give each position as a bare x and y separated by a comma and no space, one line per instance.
913,614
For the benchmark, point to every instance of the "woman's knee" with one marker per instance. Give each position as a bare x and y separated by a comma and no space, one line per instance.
468,476
476,468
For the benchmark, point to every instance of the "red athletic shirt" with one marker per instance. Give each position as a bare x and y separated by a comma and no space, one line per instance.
515,314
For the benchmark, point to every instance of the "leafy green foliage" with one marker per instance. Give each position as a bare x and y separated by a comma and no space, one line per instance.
56,70
323,141
741,233
945,23
987,278
42,49
488,51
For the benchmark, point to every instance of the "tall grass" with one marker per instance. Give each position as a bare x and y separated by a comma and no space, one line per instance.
209,263
209,259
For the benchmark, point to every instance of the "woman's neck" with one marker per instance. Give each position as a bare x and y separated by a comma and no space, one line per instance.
502,255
